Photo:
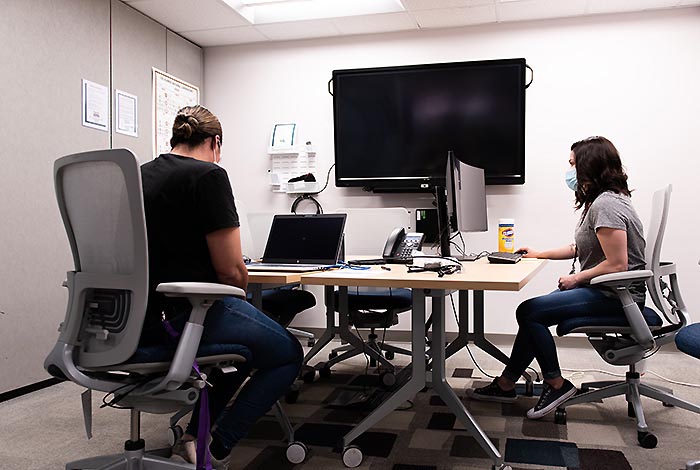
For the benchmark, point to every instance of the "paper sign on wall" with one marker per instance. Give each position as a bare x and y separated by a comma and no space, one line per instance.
127,113
95,105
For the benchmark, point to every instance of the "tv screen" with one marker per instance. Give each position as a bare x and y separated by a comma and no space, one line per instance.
395,125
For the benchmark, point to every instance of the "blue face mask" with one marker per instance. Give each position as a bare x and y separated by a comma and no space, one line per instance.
571,181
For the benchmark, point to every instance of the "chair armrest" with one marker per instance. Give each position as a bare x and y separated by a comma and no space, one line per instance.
206,289
620,282
624,278
201,296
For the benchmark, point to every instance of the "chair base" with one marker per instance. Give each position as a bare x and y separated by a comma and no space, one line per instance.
130,460
633,390
693,465
372,348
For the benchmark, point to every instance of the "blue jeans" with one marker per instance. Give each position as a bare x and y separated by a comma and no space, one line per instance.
536,315
276,359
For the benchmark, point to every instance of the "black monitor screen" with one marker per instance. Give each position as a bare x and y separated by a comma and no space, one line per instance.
395,125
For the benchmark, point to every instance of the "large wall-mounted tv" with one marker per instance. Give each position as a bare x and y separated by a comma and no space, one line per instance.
395,125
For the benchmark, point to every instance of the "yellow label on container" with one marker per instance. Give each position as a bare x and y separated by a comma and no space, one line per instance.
506,237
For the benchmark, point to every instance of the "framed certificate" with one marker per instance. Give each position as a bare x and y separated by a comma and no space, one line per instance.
283,136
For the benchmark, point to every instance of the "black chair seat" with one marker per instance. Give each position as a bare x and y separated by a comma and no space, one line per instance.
398,300
567,326
283,304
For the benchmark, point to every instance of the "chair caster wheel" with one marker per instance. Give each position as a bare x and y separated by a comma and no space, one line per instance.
332,355
352,456
296,452
291,396
646,439
175,433
388,379
560,416
324,372
310,343
501,467
389,355
308,374
372,362
667,405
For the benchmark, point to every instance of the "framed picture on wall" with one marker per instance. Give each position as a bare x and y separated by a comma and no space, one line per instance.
170,94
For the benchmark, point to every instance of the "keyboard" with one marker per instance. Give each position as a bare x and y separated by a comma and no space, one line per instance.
503,257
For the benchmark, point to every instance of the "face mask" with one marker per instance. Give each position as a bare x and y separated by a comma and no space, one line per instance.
571,181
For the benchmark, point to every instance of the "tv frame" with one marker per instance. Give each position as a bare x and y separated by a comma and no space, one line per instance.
427,183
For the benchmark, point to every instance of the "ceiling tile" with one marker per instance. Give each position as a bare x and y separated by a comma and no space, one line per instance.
190,15
539,9
451,17
416,5
375,23
224,36
298,30
614,6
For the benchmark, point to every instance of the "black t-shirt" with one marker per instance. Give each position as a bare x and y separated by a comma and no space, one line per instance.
184,199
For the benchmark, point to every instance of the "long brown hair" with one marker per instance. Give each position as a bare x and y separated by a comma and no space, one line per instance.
598,169
193,124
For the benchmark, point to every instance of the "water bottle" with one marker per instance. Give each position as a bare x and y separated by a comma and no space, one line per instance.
506,235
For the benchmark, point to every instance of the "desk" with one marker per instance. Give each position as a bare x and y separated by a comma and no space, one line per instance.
475,276
256,280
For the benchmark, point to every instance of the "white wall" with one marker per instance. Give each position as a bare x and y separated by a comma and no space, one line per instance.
632,78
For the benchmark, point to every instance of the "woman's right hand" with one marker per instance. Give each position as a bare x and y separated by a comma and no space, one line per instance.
528,252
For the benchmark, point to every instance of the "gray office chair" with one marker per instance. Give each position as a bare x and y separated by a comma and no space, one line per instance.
621,341
100,199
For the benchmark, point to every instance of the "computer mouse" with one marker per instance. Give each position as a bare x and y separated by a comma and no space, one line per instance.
246,260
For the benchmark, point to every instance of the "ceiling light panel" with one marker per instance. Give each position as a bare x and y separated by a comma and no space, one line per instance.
278,11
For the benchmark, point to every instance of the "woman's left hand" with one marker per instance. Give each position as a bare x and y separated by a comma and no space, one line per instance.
568,282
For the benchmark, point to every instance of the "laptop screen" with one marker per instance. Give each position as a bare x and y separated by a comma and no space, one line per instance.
312,239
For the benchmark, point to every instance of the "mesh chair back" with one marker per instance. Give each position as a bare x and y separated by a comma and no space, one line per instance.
100,198
654,240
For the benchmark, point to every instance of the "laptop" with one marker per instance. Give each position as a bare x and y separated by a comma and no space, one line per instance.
301,243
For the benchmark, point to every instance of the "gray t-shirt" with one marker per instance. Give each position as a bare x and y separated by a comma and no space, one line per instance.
612,211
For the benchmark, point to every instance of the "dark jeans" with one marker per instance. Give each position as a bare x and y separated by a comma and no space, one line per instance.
536,315
276,361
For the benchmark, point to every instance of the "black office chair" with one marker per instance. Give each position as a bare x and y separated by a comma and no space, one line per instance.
627,340
100,198
373,309
284,303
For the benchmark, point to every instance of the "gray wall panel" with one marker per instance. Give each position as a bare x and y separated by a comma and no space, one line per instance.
138,44
186,61
47,48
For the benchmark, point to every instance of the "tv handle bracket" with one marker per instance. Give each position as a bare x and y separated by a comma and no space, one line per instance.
532,76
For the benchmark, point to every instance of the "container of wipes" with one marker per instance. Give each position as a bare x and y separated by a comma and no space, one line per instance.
506,235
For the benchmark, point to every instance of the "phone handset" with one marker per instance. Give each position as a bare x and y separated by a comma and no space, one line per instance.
400,245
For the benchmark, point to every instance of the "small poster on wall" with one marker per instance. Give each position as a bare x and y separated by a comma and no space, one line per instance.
95,105
170,94
127,113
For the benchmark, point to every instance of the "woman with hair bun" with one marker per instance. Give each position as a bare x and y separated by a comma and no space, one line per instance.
608,238
194,235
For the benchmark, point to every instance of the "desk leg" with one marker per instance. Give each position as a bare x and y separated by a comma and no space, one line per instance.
415,383
444,389
256,291
331,328
480,340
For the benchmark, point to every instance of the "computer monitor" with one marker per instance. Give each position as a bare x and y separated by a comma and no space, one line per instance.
462,202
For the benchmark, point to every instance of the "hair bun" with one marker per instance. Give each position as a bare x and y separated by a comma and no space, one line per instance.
185,125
